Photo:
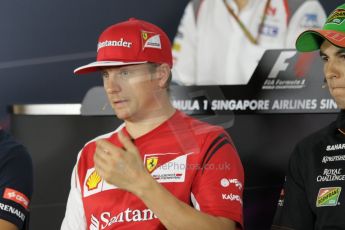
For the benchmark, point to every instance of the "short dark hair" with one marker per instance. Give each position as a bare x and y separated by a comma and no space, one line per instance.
154,66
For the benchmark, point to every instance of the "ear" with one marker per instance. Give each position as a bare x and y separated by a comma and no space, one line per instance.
163,74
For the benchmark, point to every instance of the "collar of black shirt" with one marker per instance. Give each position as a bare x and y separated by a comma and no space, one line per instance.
341,120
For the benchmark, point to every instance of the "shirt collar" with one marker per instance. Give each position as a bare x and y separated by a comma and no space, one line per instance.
341,120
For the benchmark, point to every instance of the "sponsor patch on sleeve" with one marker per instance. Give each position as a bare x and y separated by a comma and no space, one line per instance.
328,196
15,196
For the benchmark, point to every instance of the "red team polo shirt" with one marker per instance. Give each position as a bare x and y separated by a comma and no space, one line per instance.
195,161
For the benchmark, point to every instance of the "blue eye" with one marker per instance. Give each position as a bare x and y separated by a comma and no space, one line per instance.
105,75
124,74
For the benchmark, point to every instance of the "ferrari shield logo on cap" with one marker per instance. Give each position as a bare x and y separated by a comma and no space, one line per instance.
151,40
151,163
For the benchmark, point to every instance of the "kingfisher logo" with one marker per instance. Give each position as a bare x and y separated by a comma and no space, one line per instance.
93,180
327,159
328,196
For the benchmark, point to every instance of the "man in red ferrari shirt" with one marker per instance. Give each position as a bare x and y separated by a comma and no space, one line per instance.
162,169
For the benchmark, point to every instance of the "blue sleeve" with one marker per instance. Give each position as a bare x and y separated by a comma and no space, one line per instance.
16,185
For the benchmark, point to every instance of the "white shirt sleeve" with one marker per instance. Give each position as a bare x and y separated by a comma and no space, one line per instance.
309,15
184,48
74,216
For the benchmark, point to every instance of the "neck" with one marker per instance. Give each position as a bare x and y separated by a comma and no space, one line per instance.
156,117
241,4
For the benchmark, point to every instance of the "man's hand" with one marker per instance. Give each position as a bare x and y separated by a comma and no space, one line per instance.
122,167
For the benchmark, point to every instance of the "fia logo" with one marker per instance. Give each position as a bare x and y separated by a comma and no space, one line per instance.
281,64
297,81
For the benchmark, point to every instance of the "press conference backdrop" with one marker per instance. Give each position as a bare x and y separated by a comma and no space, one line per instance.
42,41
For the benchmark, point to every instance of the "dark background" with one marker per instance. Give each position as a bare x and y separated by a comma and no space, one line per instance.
42,42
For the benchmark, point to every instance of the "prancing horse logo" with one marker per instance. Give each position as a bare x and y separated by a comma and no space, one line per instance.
151,163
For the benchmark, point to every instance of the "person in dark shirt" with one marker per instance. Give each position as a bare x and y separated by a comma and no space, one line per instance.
313,195
16,183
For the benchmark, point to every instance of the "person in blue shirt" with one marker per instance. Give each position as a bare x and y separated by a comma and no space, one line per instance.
16,183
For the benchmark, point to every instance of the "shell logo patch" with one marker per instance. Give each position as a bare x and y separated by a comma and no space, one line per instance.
151,163
94,183
93,180
328,196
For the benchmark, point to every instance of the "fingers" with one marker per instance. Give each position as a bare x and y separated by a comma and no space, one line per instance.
99,169
101,155
118,166
127,142
107,146
104,154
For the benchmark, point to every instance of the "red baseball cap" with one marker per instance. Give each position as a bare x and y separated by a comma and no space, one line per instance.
128,43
